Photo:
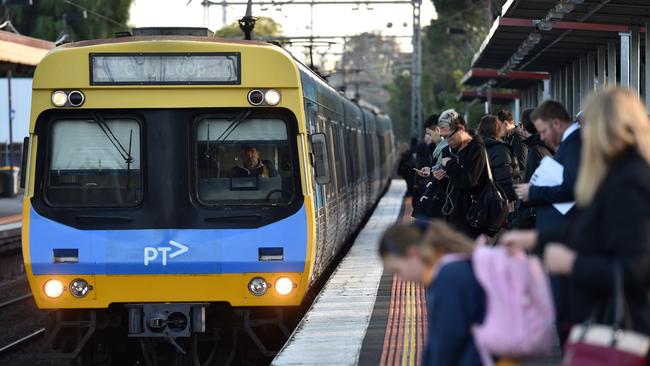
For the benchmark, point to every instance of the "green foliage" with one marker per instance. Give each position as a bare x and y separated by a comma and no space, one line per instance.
445,59
400,105
44,19
264,27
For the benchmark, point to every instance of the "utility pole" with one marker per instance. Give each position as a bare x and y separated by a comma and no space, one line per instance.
8,150
247,23
10,158
488,13
224,6
416,72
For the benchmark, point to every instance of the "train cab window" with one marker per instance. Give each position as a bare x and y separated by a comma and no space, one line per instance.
243,161
94,162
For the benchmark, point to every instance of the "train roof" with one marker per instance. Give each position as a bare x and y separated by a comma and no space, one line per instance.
167,34
128,39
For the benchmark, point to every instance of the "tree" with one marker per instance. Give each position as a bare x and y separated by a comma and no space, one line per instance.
366,68
46,19
264,27
446,57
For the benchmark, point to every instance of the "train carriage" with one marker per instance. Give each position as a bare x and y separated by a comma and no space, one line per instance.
168,175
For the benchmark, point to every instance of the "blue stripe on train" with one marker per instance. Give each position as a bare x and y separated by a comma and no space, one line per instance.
209,251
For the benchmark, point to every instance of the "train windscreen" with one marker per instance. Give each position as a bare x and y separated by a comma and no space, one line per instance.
94,162
243,160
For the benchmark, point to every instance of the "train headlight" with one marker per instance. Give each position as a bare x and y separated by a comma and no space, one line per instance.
284,286
53,288
76,98
79,287
258,286
255,97
59,98
272,97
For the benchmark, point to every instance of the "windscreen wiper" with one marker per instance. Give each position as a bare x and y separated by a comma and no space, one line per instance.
229,130
124,153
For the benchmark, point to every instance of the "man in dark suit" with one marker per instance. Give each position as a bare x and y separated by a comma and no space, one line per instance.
558,131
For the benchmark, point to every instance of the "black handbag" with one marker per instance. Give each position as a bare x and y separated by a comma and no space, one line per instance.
488,208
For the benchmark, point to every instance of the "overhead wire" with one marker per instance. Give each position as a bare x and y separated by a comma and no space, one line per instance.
95,13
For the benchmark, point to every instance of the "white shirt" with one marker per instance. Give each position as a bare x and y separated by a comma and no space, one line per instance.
574,126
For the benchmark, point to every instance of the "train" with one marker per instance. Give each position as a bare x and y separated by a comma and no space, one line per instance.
170,174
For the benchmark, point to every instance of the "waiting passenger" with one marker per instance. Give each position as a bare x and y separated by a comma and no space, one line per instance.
435,201
253,166
425,158
466,174
537,149
515,139
524,216
503,163
439,258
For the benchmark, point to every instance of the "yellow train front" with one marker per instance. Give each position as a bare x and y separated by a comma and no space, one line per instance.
170,176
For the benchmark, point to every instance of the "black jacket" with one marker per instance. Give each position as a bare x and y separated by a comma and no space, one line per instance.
423,158
455,302
615,227
543,198
516,142
537,150
467,176
504,166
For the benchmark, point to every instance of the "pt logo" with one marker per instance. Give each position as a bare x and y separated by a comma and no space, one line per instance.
151,253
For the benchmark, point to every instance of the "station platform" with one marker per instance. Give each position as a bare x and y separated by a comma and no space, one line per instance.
10,223
10,206
363,315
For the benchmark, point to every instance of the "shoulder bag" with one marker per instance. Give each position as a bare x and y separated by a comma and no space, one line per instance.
591,344
489,208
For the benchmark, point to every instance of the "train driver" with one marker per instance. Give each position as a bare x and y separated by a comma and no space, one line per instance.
253,166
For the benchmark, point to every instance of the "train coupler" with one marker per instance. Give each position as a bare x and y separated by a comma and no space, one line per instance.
170,320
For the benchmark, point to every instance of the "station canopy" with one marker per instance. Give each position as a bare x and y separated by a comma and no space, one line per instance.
16,49
497,97
508,80
544,35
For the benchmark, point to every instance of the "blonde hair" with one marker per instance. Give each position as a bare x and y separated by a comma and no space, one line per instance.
615,122
438,238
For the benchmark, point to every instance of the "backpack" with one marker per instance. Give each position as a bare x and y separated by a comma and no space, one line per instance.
519,319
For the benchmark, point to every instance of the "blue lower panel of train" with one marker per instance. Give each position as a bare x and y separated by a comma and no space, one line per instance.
59,249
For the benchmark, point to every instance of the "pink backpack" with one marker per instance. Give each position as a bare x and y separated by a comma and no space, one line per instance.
519,314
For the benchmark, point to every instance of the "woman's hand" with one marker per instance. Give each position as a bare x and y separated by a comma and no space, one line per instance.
559,259
519,240
439,174
425,172
522,191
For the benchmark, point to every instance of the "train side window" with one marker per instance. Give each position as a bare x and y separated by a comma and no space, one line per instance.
320,158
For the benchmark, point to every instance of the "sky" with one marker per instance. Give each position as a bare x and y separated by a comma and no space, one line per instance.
329,20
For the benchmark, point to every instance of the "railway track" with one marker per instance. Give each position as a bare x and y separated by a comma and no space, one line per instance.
31,336
22,341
